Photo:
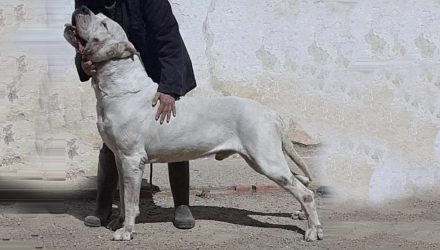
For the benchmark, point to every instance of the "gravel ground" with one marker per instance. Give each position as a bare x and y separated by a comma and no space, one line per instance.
258,221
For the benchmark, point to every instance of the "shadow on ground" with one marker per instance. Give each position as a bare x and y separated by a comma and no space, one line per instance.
151,213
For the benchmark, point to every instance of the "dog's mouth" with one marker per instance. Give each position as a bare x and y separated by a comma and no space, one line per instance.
74,32
74,37
81,43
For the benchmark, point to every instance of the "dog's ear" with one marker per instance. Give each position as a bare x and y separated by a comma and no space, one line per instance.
122,50
69,35
116,50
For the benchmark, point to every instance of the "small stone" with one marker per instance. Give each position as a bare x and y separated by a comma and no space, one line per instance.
204,194
243,189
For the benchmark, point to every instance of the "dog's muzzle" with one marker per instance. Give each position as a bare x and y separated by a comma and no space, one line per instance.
83,10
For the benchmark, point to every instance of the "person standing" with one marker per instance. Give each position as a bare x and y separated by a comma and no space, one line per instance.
153,29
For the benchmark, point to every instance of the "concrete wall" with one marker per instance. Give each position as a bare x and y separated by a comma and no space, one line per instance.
360,76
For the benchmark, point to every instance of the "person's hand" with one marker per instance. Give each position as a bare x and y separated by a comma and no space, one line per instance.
166,107
88,68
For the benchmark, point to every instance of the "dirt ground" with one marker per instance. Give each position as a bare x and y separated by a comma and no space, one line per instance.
251,221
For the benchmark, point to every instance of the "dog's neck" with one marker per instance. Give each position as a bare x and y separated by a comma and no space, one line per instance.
121,77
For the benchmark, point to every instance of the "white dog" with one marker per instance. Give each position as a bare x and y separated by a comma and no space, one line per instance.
203,126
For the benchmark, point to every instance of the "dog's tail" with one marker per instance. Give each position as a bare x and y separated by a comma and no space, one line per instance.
290,151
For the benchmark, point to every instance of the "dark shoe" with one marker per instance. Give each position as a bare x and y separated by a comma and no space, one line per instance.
92,221
96,220
183,218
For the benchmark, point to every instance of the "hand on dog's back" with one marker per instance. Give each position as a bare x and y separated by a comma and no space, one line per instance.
166,107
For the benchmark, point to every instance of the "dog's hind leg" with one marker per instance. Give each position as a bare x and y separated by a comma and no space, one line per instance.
275,167
131,176
305,197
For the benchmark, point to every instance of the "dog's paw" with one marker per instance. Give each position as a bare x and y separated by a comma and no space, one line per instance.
115,224
123,234
314,233
299,215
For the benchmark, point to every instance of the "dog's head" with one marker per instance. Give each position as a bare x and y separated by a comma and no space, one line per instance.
97,37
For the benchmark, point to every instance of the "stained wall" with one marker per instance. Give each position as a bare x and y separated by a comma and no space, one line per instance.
362,77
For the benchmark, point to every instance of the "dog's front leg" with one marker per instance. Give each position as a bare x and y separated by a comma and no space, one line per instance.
117,222
131,179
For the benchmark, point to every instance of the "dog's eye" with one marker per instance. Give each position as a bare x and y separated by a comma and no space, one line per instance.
95,39
105,25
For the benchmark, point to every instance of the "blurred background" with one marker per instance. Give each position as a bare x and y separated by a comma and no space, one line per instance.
360,78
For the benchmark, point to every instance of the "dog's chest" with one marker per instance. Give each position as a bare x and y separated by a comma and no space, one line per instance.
102,125
105,125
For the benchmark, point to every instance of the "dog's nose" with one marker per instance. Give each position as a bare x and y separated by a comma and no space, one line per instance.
84,10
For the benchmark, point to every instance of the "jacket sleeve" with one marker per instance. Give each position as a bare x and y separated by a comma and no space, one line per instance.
160,19
96,6
83,77
79,3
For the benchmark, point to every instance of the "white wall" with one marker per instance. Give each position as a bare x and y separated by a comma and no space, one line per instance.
361,76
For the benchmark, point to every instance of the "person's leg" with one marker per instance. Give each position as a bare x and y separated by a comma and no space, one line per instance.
106,187
179,182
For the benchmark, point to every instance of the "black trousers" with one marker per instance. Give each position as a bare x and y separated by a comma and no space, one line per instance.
108,180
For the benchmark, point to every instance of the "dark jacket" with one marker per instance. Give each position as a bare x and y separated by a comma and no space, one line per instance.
152,28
